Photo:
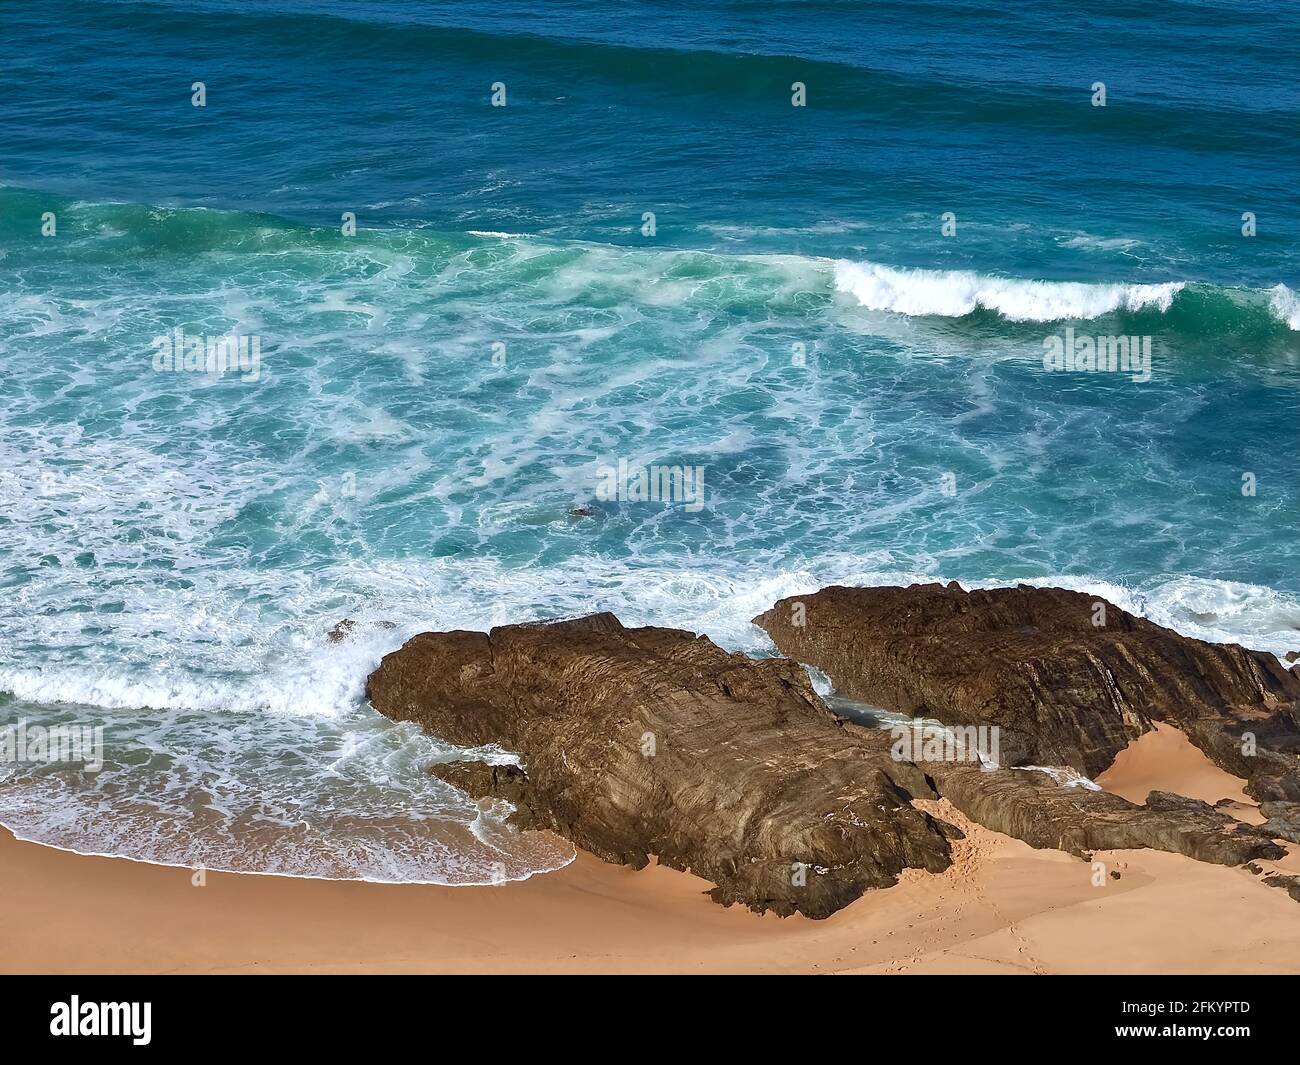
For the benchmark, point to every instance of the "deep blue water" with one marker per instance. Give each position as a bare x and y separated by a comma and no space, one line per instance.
865,393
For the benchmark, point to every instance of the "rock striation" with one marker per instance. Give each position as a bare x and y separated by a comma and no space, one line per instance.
655,742
1032,806
652,741
1068,678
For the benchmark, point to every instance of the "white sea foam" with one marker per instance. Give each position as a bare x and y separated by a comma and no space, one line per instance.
1063,775
289,669
957,293
296,797
1285,305
1091,242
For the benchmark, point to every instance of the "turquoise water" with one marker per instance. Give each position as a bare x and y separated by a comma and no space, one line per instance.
424,437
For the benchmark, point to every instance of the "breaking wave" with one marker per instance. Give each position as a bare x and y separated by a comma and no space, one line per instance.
958,293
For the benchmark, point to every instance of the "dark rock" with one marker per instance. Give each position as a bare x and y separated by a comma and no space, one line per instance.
1268,761
1114,875
347,627
341,631
1289,884
1062,690
639,742
581,510
1292,656
509,782
1032,807
1254,867
1281,828
1168,802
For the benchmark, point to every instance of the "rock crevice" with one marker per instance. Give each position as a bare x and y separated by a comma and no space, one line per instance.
1068,678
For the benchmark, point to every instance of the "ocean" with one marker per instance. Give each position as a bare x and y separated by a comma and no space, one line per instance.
812,259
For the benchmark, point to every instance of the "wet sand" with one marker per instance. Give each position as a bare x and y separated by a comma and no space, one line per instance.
1001,908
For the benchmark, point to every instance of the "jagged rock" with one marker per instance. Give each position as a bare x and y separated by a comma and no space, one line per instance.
1270,768
341,631
509,782
1283,820
1062,689
1169,802
650,741
1287,830
345,628
640,742
1289,884
1032,807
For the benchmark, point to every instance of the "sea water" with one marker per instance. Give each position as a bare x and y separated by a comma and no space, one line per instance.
841,316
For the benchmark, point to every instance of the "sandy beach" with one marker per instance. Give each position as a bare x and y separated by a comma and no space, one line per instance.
1001,908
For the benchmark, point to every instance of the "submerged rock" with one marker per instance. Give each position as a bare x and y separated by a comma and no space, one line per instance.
341,631
1068,678
651,741
346,628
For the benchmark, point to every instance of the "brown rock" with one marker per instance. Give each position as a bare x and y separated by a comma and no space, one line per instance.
1062,690
651,741
1032,807
642,742
347,627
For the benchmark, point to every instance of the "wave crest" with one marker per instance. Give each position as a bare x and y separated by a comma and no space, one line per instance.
957,293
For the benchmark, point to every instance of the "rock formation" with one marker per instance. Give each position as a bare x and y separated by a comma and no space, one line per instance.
1068,678
1032,807
650,741
639,742
1283,820
1289,884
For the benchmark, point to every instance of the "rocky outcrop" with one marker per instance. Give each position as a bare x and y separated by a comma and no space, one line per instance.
1032,806
1283,820
1068,678
1289,884
650,741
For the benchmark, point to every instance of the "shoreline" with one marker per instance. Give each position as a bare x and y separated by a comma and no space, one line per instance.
1002,907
